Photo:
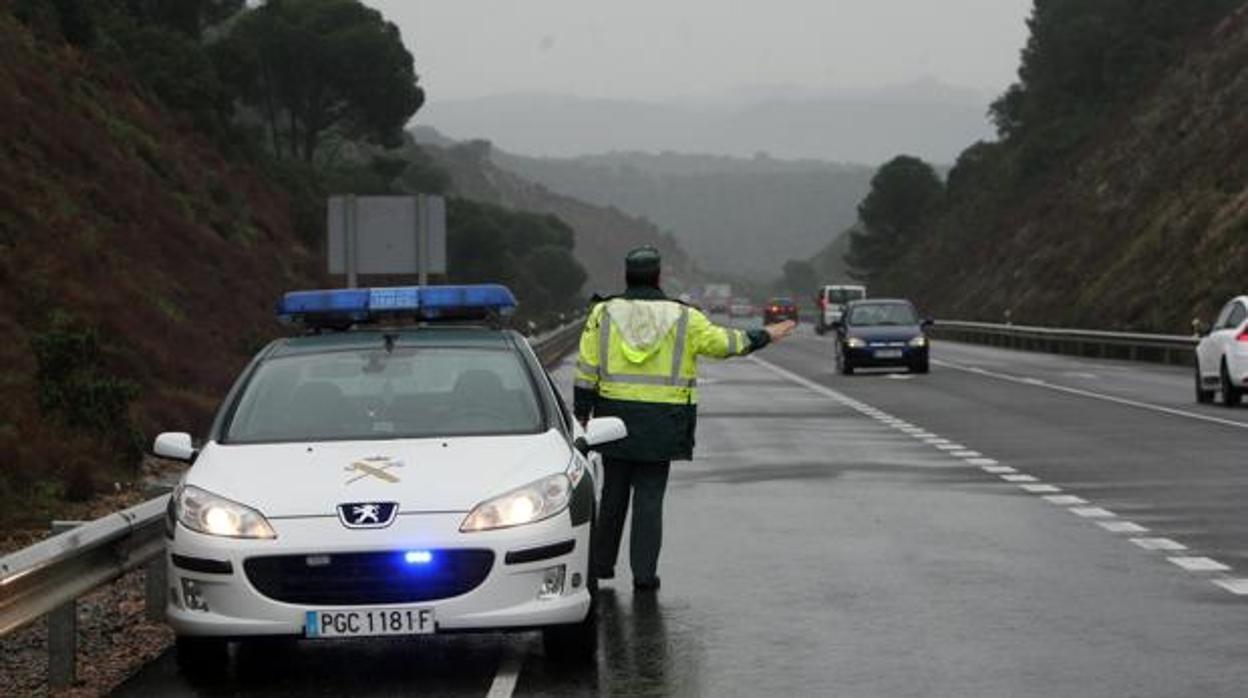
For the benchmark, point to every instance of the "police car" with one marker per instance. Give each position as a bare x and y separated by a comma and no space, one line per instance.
404,467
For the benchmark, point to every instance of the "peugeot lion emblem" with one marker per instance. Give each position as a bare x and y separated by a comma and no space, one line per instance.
367,514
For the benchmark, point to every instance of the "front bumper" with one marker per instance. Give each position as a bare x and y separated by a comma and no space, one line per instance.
872,356
507,597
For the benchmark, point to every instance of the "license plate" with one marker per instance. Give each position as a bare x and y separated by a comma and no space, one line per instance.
369,622
888,353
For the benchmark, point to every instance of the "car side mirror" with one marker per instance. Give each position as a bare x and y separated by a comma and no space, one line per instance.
927,322
602,430
174,445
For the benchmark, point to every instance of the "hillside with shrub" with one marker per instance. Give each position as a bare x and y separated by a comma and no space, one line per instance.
152,209
1117,194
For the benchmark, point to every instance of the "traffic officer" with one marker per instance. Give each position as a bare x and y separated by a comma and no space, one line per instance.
638,361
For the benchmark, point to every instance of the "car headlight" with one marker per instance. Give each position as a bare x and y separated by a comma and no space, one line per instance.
919,341
205,512
534,502
855,343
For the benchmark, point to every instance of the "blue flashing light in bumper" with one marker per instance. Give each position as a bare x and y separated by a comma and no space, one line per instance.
418,557
352,305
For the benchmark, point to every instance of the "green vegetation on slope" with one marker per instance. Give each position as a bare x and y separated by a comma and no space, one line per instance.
147,225
1116,197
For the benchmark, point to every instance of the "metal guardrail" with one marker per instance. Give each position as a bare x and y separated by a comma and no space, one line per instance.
1133,346
48,577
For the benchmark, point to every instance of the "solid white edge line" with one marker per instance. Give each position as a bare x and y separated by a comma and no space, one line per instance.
508,675
1096,396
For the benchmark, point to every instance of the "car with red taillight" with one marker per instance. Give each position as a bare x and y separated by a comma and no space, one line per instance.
779,310
1222,356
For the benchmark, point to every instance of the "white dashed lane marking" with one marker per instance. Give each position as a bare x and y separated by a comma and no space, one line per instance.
1092,512
1158,544
1239,587
1019,477
1121,526
1078,506
1199,564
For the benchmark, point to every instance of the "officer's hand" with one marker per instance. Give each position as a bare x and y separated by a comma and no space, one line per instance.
780,330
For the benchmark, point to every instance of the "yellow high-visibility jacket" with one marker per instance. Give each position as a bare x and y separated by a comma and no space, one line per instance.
639,361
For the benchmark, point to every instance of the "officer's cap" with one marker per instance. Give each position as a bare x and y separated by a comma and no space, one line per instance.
643,261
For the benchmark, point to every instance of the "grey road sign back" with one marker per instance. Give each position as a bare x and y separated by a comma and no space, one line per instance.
387,235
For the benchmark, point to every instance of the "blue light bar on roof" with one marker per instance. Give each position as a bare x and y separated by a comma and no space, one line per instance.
352,305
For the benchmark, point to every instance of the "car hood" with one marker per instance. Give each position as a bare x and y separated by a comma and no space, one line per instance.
429,475
886,333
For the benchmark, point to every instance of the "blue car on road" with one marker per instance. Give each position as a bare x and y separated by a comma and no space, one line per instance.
882,333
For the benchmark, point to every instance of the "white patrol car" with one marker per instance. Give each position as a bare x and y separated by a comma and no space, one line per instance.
372,480
1222,356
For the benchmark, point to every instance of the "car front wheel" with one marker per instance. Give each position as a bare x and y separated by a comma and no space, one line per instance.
573,643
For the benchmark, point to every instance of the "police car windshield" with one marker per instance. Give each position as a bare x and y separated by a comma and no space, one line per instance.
375,394
883,314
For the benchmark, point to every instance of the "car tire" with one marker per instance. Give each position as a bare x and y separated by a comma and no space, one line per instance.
847,368
921,366
1231,395
1203,396
573,643
202,658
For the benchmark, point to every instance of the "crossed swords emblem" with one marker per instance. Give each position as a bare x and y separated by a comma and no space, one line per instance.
374,466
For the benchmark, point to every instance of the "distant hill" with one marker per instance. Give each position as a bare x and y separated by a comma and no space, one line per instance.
925,118
604,234
742,216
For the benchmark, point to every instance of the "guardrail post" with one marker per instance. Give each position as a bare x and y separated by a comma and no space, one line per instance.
63,632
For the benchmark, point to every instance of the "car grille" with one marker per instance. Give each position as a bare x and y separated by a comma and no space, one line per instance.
359,579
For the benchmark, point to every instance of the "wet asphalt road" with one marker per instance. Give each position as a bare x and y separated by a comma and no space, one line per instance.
826,542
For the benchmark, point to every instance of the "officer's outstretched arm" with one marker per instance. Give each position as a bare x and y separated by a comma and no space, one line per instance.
719,342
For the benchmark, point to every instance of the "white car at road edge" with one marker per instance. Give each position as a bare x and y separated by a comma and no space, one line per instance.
1222,356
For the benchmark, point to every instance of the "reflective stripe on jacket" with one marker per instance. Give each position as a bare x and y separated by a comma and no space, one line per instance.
647,350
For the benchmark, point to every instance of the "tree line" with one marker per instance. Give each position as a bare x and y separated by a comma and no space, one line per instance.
1084,63
317,93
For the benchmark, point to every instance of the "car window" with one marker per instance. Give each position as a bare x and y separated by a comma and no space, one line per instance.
374,394
1236,317
1225,313
883,314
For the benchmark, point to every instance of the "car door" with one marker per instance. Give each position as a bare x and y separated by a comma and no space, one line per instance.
1213,347
1230,330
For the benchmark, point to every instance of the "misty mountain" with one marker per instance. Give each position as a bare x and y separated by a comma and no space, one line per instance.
735,215
924,118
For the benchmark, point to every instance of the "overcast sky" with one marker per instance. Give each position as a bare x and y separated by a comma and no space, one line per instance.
659,49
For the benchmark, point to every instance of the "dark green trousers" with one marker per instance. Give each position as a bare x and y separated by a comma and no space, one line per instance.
646,483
